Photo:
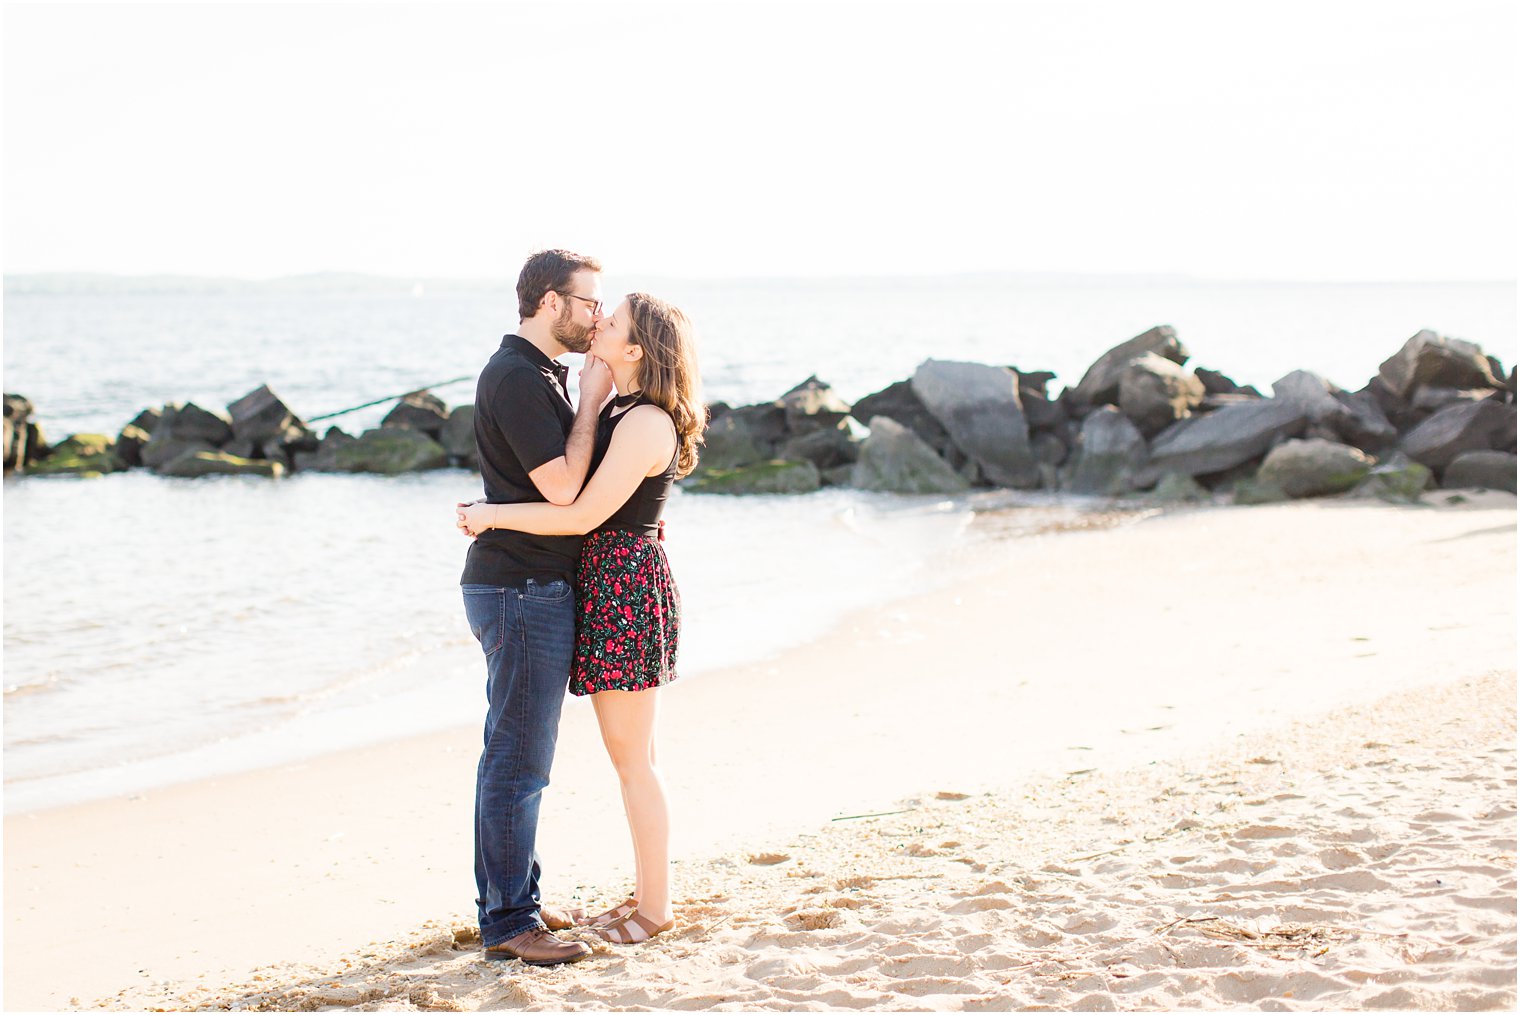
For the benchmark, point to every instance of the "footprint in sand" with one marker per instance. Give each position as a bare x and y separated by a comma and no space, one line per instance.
1341,857
916,966
814,919
981,905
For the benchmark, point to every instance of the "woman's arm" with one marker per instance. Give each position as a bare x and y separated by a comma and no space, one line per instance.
640,443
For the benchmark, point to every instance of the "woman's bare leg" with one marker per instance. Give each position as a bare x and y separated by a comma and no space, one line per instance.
627,721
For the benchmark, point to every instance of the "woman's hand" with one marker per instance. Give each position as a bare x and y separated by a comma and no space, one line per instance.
474,517
595,381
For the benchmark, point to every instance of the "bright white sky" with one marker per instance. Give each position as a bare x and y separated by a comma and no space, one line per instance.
1285,139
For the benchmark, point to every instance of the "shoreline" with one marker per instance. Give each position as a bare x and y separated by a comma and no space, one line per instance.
322,867
377,722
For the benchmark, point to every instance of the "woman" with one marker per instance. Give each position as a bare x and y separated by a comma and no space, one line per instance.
628,612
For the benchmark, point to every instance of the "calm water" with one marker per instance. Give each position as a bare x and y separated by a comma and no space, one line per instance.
156,630
91,361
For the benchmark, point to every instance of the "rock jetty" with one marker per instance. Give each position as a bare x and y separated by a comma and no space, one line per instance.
1438,412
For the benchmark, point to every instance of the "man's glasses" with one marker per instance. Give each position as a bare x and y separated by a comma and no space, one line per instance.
596,305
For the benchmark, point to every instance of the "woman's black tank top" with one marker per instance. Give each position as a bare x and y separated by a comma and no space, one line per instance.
641,512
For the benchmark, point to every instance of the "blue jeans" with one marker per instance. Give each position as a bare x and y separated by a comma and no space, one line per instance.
528,636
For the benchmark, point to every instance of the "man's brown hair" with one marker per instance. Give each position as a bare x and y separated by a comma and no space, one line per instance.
548,270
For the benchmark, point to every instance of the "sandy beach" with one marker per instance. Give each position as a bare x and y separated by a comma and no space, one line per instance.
1230,757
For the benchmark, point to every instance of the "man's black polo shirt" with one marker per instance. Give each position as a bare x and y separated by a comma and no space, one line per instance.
522,417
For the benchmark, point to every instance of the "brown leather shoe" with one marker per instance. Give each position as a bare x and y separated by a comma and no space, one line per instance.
537,947
556,918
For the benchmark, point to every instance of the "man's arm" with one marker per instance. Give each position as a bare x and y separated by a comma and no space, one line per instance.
561,480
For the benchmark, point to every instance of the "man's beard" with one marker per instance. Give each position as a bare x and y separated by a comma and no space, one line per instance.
575,337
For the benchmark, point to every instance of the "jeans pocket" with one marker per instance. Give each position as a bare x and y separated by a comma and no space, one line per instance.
485,608
548,592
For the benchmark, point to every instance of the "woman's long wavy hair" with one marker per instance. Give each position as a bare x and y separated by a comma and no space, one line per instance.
668,370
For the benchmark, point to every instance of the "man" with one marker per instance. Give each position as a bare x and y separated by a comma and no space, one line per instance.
519,590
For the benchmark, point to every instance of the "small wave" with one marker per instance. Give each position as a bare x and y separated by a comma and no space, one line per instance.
41,740
276,699
40,686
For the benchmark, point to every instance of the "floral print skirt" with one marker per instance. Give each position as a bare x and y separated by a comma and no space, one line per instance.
627,615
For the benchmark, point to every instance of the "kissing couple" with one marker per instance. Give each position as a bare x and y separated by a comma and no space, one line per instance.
567,587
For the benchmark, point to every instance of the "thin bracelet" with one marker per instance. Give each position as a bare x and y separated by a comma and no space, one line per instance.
495,513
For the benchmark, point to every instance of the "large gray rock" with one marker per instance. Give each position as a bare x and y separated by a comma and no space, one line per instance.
825,448
1394,407
162,449
1100,385
262,422
1314,468
812,405
391,451
182,429
1466,426
1428,358
894,459
1355,419
189,422
731,442
325,457
219,463
897,402
1155,393
1111,453
1175,488
130,443
1311,393
1363,423
422,411
458,437
766,477
1222,439
1487,470
1441,362
979,406
766,421
147,420
1397,479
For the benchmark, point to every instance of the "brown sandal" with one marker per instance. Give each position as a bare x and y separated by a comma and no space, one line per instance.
632,929
617,914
